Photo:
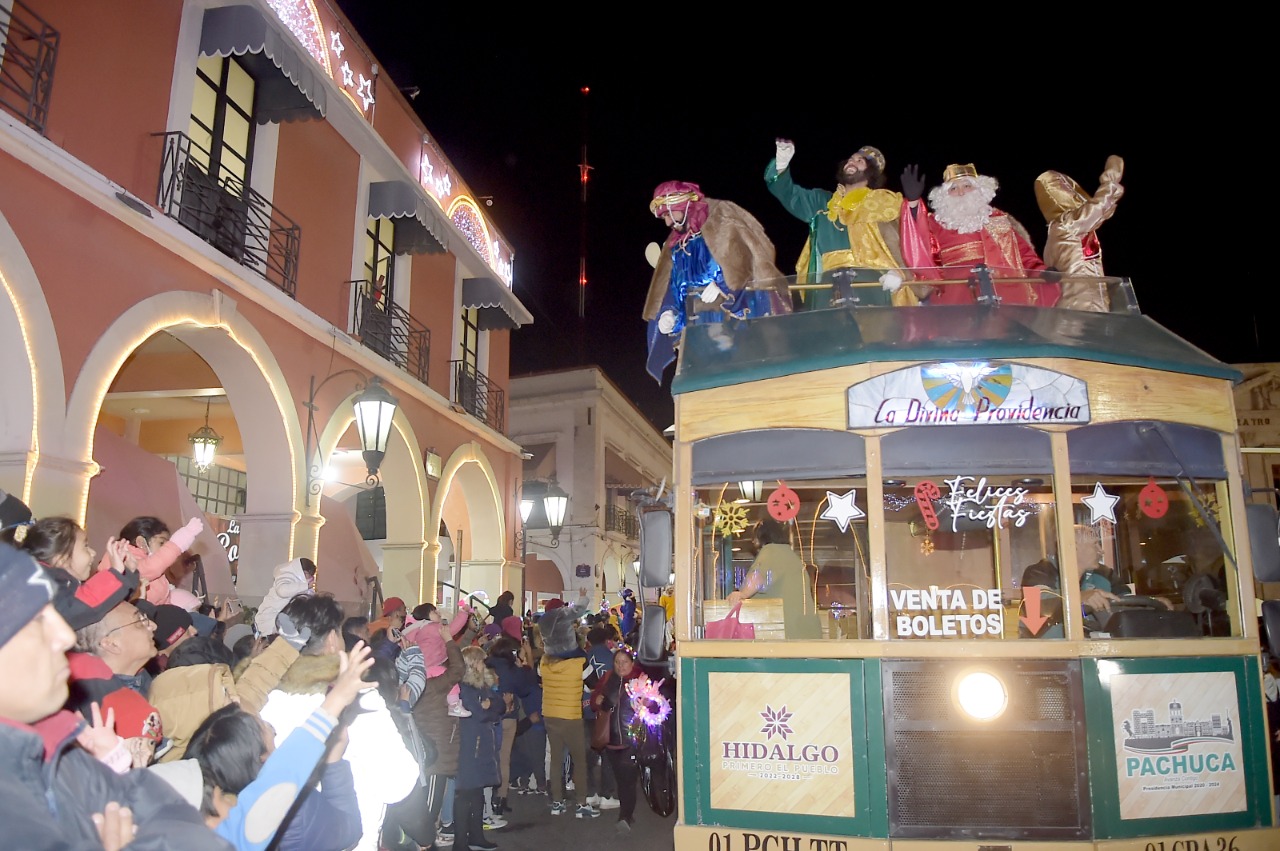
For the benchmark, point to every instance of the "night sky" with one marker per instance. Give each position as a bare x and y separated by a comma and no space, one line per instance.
503,100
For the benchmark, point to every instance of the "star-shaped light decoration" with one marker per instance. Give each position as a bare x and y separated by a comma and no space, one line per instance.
776,722
1102,505
348,76
335,43
364,91
445,184
841,509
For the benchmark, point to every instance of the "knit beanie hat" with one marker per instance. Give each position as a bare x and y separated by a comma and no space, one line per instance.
391,605
25,589
458,623
513,627
171,622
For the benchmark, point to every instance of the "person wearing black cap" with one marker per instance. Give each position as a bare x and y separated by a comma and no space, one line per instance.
54,794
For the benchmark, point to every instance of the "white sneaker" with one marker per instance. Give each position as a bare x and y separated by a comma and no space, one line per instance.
609,804
594,801
569,786
494,822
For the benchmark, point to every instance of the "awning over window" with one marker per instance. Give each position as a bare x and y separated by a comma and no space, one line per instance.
500,310
288,87
420,228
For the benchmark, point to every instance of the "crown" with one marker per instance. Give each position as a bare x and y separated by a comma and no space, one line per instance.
959,170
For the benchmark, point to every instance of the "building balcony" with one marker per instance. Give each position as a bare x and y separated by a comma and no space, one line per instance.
28,54
389,329
478,396
621,520
227,214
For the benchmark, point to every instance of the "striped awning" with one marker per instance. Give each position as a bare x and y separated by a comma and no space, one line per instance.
288,88
420,227
500,310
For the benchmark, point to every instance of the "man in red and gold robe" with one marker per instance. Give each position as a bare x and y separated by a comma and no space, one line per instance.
964,230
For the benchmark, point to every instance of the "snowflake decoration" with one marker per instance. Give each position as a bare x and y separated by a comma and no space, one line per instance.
776,722
335,43
1210,503
927,546
730,519
348,76
650,704
364,91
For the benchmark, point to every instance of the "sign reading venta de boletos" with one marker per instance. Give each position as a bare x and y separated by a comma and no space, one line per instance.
967,393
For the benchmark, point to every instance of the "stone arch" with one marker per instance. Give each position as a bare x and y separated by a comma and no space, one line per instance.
468,474
31,419
210,325
408,495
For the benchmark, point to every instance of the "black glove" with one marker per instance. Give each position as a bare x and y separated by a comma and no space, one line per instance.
1050,275
912,183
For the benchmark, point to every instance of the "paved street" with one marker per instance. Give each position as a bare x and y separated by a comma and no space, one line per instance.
531,827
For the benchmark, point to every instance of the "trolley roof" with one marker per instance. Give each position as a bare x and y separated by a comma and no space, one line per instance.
739,351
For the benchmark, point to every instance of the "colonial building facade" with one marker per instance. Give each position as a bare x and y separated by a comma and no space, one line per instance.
221,219
585,439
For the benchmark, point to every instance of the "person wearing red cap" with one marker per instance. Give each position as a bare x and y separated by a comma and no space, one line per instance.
54,794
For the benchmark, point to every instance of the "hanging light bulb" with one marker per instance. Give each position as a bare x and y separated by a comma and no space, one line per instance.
204,441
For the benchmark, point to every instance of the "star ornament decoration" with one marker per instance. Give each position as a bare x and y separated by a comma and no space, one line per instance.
841,509
1102,505
365,91
335,43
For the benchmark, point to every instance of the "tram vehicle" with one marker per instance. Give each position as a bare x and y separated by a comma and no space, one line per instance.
1013,604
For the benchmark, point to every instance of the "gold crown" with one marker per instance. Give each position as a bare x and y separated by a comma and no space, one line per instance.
874,155
959,170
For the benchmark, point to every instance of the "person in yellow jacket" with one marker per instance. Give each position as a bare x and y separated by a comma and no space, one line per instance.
563,670
199,681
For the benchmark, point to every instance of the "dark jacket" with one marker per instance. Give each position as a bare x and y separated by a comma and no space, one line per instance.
516,680
325,819
612,689
50,789
480,739
431,712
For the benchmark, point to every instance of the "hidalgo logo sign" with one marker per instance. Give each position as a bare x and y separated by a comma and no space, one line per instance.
782,760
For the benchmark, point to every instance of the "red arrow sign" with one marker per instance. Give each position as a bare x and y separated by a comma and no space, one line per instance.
1031,599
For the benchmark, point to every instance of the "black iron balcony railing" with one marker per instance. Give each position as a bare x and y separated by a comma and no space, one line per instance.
473,390
619,519
390,330
230,216
28,54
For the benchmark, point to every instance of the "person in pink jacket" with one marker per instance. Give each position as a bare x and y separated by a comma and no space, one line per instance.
155,550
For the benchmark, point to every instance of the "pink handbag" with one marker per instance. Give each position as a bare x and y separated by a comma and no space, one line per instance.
730,626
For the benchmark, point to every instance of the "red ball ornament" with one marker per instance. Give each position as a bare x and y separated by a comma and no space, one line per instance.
784,504
1153,501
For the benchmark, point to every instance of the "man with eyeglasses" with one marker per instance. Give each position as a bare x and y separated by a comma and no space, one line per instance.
112,654
54,794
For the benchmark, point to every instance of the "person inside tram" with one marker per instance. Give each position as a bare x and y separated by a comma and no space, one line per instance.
1098,598
779,572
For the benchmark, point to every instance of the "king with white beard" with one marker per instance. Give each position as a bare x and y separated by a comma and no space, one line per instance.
963,230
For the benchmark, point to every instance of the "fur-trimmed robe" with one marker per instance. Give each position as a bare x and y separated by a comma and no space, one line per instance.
739,244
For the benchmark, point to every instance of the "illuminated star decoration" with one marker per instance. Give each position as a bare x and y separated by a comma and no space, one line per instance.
1102,505
645,696
776,722
841,509
365,91
335,43
348,76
